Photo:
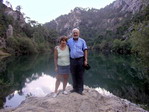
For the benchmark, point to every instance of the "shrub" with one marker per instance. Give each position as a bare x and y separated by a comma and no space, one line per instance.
122,47
140,42
116,45
21,45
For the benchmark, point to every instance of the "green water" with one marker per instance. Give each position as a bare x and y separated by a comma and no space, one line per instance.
24,76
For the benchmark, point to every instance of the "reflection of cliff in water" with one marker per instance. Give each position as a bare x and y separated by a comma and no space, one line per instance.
17,69
120,76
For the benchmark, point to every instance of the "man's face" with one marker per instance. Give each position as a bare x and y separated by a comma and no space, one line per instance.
75,34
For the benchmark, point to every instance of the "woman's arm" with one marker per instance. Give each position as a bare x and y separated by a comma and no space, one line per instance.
55,58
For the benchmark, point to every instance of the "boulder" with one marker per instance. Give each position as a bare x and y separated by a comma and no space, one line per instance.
9,32
90,101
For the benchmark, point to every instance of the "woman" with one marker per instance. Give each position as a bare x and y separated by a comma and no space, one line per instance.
62,64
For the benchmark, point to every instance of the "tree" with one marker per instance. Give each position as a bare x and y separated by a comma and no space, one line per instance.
34,23
27,19
140,42
18,8
8,4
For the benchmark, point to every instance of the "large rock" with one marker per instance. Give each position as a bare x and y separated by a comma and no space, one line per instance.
95,22
130,5
9,32
17,16
91,101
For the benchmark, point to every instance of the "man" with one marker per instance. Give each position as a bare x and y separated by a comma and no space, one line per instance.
78,59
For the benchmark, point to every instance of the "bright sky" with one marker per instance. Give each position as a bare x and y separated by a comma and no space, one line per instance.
47,10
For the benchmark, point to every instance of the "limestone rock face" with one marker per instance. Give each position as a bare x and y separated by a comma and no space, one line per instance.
17,16
130,5
89,21
9,32
91,101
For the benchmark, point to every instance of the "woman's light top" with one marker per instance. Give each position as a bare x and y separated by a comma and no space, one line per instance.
63,56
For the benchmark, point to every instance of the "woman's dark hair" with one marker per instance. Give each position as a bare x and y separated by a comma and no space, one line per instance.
62,38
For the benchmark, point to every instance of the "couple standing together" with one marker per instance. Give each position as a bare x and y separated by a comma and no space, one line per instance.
70,56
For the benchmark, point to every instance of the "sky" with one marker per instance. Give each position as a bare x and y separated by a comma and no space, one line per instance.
44,11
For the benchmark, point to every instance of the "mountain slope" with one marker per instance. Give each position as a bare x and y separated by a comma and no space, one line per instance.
19,37
95,22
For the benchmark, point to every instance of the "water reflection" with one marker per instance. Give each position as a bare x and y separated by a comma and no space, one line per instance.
40,87
16,70
25,76
120,75
13,100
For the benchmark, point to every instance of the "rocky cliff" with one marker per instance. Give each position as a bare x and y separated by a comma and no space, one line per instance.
95,22
9,20
130,5
16,15
91,101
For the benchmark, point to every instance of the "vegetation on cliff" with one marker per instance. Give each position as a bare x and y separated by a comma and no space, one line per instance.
18,37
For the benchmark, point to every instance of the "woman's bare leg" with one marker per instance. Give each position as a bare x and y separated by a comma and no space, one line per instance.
65,80
57,83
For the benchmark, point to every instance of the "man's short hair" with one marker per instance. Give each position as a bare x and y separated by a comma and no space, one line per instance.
75,29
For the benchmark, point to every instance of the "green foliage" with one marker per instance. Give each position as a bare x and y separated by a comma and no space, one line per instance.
140,42
121,40
44,38
28,30
28,38
21,45
122,47
121,30
103,45
116,44
5,20
141,16
43,47
38,37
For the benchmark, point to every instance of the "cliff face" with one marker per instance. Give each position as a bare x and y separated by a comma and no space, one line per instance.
97,21
129,5
17,16
9,19
91,101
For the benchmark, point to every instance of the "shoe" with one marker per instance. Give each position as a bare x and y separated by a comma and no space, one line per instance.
79,92
54,95
65,92
72,91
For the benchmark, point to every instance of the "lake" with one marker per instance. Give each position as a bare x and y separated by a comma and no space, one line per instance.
25,76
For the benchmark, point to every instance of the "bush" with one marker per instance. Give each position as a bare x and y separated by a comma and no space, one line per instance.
42,47
122,47
21,45
116,45
140,42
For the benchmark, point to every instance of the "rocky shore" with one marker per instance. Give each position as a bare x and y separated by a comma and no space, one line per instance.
91,101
